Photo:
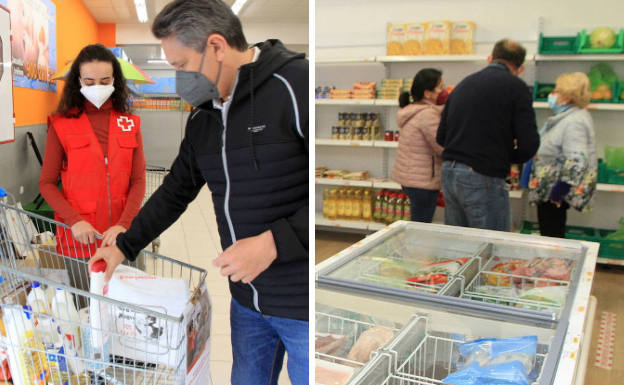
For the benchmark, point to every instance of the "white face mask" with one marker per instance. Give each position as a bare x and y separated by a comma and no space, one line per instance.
97,94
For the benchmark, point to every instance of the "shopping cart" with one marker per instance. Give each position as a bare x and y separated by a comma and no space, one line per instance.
154,176
140,345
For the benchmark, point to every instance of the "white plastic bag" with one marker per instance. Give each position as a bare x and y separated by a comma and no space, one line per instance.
151,339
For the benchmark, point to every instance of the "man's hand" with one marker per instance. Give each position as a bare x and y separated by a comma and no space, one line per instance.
110,235
83,232
112,256
247,258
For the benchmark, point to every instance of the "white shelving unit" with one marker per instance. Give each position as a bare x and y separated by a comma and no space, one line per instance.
321,221
346,102
343,182
578,58
592,106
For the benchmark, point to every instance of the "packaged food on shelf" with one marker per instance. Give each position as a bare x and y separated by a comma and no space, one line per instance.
335,174
462,37
367,205
319,171
546,269
414,38
330,373
395,39
437,38
505,269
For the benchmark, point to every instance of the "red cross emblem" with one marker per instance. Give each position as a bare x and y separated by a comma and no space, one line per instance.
125,123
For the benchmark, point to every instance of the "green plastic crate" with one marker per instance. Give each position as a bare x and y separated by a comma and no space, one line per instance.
530,228
582,233
584,44
558,45
603,176
615,176
615,89
537,86
610,248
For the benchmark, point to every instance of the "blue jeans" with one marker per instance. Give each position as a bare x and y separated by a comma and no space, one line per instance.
422,203
473,199
258,346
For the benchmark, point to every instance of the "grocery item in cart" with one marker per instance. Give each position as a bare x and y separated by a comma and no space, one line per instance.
369,341
329,373
436,273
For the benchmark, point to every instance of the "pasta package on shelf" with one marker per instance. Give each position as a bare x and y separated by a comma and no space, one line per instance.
437,38
462,38
414,38
395,39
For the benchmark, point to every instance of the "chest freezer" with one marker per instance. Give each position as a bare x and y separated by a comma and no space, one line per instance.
470,283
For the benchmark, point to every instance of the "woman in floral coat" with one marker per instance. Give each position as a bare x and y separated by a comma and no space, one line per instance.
565,167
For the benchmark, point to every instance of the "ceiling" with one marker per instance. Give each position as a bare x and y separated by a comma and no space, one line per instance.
123,11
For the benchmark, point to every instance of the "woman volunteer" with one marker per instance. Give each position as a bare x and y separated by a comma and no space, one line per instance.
95,145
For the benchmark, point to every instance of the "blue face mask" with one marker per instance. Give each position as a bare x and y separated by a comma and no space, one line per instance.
553,105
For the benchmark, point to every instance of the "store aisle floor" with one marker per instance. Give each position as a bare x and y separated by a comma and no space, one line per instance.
194,239
608,288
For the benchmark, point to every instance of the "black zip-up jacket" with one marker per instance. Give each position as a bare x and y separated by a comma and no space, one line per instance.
254,159
482,117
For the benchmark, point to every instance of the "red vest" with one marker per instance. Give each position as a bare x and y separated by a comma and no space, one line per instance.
95,185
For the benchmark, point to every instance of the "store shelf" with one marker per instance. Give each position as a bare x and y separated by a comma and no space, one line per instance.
346,102
321,221
343,182
385,144
348,60
592,106
573,58
610,187
387,102
387,185
431,59
610,261
345,143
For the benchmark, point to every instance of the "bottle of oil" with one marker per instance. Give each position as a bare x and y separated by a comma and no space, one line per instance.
407,213
378,208
340,204
398,208
331,204
325,198
392,202
356,202
367,205
348,204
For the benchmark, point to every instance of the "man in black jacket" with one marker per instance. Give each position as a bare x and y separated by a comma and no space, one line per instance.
487,124
248,140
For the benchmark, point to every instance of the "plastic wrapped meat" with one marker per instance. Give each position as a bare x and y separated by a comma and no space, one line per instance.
550,268
369,341
328,373
331,344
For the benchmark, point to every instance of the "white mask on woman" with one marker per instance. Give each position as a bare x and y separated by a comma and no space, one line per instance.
97,94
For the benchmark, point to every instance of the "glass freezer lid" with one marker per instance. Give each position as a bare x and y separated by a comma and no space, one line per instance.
519,275
426,348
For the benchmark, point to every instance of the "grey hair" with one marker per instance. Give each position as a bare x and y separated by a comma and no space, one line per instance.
192,21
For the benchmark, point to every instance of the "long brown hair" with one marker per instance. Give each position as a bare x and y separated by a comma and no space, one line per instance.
73,99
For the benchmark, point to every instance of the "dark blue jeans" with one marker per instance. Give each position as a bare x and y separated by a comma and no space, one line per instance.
422,203
258,346
473,199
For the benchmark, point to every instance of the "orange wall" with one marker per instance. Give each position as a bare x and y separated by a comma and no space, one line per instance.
107,34
75,28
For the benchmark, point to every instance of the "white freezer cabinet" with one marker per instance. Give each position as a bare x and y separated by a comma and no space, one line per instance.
453,285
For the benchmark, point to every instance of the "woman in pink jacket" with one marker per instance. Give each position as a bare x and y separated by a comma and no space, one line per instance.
418,162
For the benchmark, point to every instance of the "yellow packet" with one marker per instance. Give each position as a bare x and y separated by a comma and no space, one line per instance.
395,39
437,38
414,38
462,37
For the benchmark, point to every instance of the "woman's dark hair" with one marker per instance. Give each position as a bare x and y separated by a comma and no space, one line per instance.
73,99
427,79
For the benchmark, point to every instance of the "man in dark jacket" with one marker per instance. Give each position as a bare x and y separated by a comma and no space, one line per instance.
487,124
248,140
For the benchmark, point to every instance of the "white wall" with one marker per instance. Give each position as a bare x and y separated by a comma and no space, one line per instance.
356,28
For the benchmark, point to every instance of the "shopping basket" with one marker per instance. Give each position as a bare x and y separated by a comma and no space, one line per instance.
154,176
142,345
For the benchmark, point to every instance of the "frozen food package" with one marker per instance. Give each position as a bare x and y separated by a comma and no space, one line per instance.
503,268
488,351
505,373
330,373
437,38
555,295
437,272
462,38
395,39
414,38
502,295
369,341
332,344
548,269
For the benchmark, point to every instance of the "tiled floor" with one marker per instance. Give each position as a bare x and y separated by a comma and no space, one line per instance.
194,239
608,288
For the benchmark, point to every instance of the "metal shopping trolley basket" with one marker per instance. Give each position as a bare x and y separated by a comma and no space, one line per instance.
127,343
154,176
